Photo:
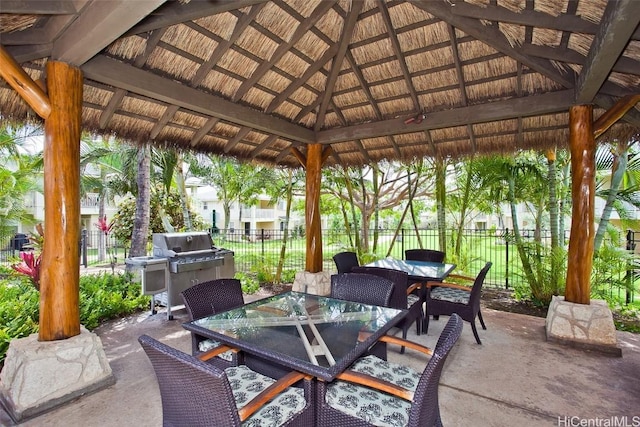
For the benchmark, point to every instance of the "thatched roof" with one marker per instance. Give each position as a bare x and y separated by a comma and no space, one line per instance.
252,79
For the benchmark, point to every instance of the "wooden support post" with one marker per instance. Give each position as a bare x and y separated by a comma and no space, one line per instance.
312,209
60,266
580,257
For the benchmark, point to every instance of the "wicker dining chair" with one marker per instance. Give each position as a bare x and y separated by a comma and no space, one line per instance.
373,392
205,299
345,261
447,298
428,255
199,394
402,297
362,288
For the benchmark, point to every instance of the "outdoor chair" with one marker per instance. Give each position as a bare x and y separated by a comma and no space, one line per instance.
362,288
366,289
205,299
448,298
373,392
402,297
345,261
428,255
199,394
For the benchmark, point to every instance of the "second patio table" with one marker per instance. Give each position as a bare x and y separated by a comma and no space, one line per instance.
316,335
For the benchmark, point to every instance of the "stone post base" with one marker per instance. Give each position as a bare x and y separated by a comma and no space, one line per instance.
583,326
38,376
313,283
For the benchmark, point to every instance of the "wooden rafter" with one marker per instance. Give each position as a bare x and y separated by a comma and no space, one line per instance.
138,62
395,44
264,66
178,12
236,139
99,24
203,131
493,37
336,65
499,110
115,73
619,21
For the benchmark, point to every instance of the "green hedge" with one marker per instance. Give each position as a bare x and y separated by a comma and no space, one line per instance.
102,297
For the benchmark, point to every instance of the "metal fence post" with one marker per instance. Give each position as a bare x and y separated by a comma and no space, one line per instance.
83,247
506,255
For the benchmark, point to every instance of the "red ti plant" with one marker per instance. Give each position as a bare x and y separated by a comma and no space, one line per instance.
103,225
30,266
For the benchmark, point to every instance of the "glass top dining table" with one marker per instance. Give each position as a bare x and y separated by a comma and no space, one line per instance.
417,270
316,335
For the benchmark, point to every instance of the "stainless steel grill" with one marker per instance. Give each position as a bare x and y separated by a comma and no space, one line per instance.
190,258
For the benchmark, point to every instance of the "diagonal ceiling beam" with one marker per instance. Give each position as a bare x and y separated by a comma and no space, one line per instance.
336,65
533,18
115,73
300,31
118,96
99,24
622,65
618,23
38,7
27,53
395,44
552,102
224,45
178,12
491,36
295,85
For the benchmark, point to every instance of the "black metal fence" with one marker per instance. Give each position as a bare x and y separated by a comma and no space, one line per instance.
258,252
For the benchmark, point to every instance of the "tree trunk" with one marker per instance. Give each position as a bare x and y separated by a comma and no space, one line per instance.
465,205
553,219
182,193
142,218
618,169
102,237
376,210
441,194
526,265
285,234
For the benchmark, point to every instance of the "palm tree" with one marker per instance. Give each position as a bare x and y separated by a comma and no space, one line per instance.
619,166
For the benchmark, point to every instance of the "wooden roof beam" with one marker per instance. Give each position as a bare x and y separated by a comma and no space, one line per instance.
562,22
529,106
139,61
399,55
618,23
115,73
336,65
99,24
38,7
622,65
491,36
300,31
178,12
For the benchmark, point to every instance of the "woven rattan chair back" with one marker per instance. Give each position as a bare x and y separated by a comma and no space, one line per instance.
345,261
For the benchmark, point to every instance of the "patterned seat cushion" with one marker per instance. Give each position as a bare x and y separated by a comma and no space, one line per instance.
412,299
209,344
247,384
451,295
375,407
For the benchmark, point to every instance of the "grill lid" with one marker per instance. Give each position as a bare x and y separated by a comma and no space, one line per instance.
169,245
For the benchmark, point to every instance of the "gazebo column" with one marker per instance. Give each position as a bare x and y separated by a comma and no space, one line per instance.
575,319
64,360
583,171
59,289
313,262
313,279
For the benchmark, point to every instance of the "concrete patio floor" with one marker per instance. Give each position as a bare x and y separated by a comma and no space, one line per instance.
514,378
